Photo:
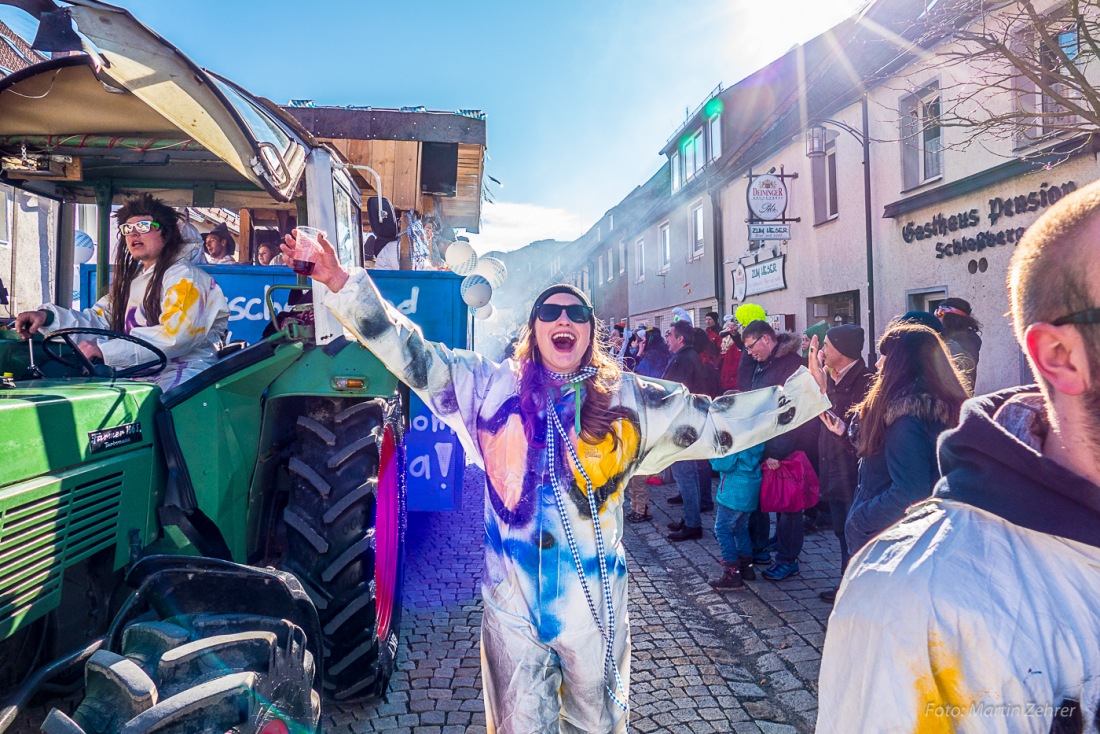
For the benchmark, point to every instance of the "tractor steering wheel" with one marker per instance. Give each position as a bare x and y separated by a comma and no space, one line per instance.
88,368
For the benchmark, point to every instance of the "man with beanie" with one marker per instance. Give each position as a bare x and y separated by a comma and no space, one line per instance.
849,379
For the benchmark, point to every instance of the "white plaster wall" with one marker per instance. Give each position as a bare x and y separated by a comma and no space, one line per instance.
27,266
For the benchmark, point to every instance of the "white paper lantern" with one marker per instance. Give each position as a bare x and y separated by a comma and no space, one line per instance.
493,270
461,258
476,291
484,312
84,248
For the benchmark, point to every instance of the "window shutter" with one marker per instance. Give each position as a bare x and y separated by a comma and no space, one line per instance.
821,205
910,143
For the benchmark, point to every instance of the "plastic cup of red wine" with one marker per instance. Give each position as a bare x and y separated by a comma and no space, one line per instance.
307,249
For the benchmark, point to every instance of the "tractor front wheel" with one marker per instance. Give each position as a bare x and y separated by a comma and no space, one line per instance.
345,520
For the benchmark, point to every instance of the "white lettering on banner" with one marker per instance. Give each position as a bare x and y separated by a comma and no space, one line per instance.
765,276
421,467
408,306
443,452
420,423
252,309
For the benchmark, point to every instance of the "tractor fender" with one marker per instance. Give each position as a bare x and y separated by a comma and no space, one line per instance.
194,584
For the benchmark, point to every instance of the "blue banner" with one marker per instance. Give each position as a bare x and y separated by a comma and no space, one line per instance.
432,300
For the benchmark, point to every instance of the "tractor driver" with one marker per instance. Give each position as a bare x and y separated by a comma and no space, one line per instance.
167,300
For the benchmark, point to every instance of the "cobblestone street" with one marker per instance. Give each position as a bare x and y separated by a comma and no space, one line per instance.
741,661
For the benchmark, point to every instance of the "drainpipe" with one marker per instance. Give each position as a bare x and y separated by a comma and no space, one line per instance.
872,335
719,273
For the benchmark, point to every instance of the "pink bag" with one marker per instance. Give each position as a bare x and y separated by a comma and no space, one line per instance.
790,488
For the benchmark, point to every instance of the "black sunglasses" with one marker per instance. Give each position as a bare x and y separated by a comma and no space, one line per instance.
577,313
1090,316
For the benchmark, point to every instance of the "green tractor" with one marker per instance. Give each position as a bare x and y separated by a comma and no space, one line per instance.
224,555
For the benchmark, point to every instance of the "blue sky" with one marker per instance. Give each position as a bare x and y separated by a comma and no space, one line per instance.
580,96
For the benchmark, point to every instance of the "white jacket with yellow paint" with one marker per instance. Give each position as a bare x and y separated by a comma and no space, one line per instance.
194,316
980,611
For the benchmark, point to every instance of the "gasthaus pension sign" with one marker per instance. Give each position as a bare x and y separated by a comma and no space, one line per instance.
961,232
767,197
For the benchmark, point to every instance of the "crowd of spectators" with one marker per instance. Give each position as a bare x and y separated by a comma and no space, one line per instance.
873,454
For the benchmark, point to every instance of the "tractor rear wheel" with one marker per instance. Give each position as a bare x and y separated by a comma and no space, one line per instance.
345,520
198,673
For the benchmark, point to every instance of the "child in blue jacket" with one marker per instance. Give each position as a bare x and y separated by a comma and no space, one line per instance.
738,496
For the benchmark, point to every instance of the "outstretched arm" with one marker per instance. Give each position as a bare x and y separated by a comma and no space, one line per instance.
452,382
681,426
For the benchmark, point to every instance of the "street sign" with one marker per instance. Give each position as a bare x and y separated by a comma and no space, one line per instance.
767,196
766,275
740,280
769,231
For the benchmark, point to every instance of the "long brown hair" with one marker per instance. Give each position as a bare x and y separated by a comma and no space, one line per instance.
126,268
916,363
597,414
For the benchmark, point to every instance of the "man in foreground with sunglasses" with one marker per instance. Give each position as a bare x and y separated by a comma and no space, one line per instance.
559,430
978,611
166,300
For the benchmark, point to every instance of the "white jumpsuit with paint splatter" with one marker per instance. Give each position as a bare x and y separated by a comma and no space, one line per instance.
538,634
193,316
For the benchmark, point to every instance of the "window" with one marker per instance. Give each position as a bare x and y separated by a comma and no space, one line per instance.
674,164
7,196
599,233
585,279
715,136
639,258
694,155
1054,114
622,257
664,248
599,269
610,222
922,138
610,264
697,232
823,172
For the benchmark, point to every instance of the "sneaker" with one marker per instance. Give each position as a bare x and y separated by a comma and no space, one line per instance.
678,525
686,533
638,516
828,595
748,571
762,557
675,500
780,571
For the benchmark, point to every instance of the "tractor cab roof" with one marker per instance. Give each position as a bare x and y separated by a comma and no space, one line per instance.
129,106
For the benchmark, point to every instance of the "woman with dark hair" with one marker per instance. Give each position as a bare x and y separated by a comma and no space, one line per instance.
559,430
962,334
165,299
653,354
914,397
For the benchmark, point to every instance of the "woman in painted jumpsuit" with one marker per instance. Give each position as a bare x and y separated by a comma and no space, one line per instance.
559,430
167,300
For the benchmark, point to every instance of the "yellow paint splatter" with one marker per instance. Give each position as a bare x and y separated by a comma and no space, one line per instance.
940,694
601,461
177,302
